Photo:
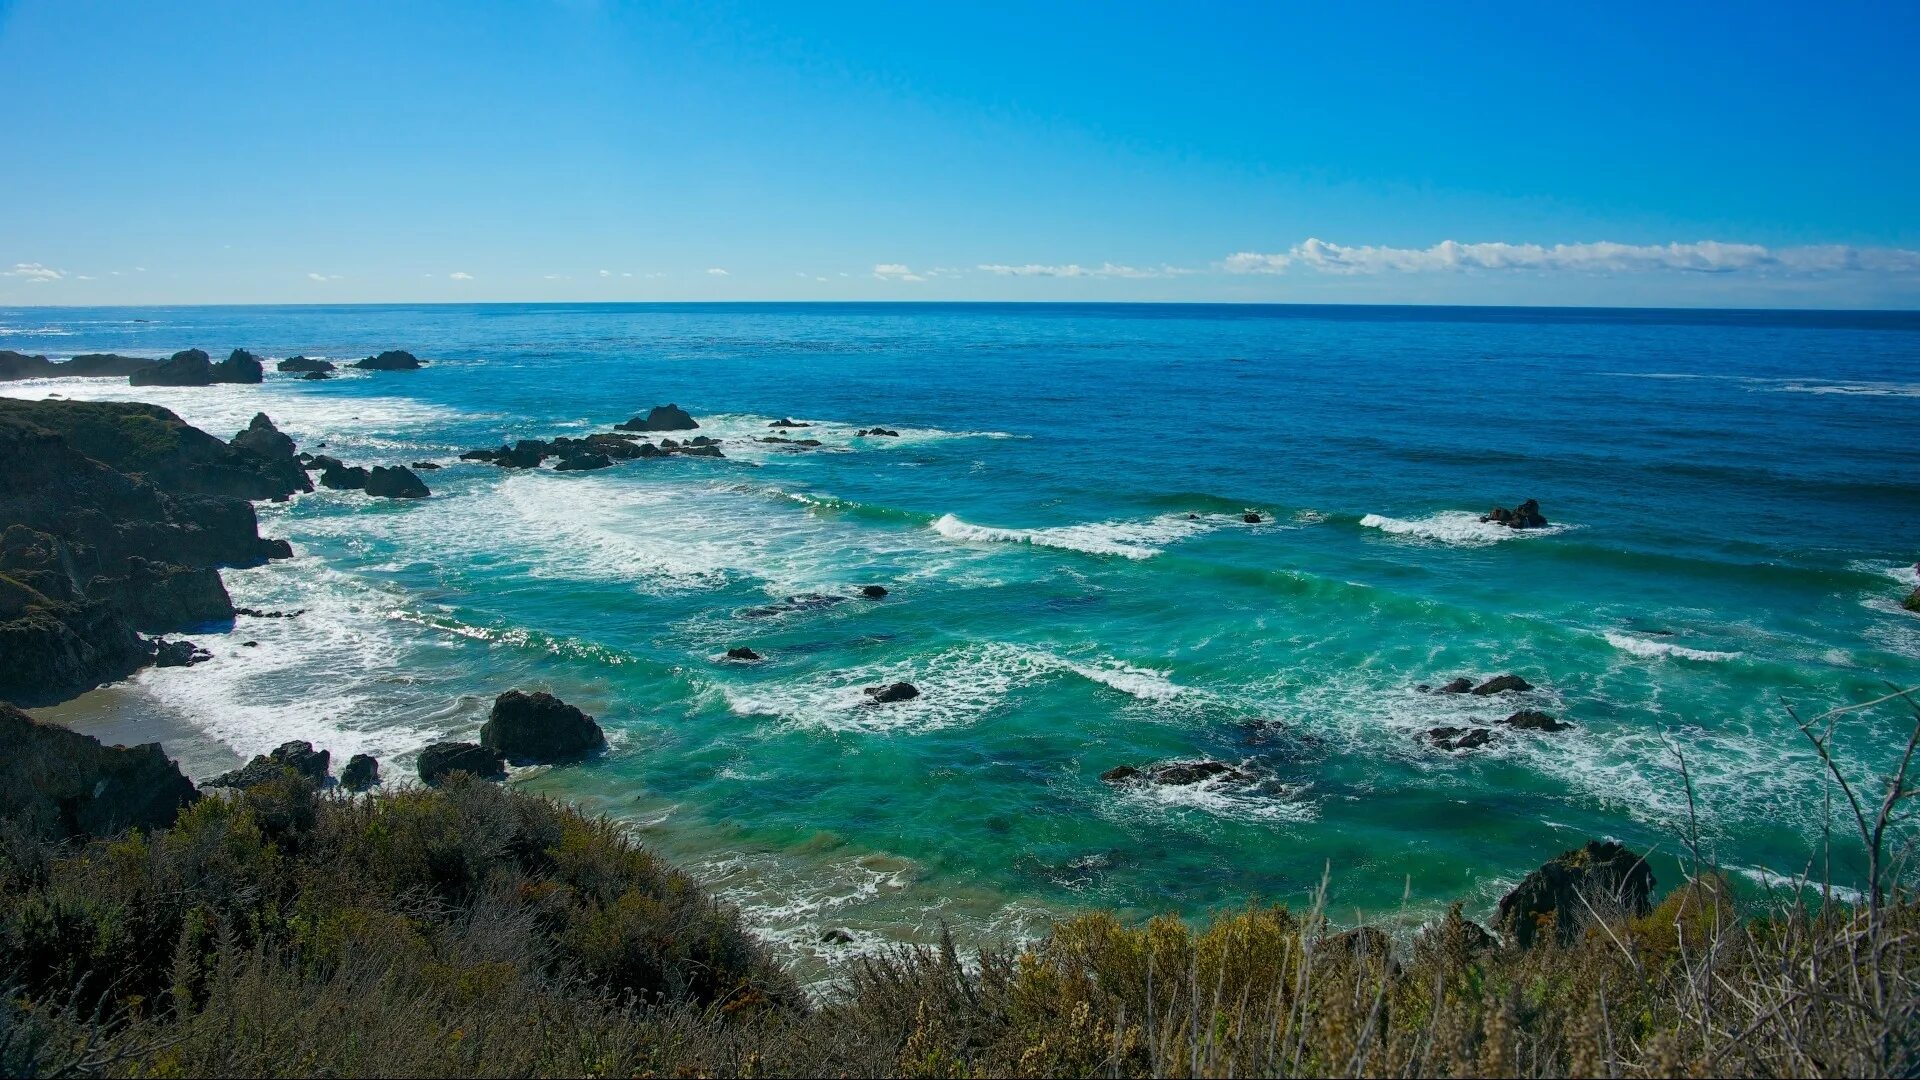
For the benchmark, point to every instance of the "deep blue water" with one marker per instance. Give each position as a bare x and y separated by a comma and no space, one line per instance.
1734,498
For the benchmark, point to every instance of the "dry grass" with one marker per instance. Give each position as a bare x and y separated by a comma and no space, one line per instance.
477,932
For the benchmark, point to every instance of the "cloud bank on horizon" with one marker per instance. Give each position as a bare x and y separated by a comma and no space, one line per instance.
1604,257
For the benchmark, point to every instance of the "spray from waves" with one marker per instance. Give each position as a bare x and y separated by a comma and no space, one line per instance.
1456,527
326,676
959,686
1661,650
1215,798
1126,539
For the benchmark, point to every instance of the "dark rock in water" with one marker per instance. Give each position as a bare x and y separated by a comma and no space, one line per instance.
892,692
1194,772
58,784
361,773
256,613
481,455
1120,774
540,728
442,760
17,365
1455,738
316,376
1251,518
240,366
583,463
1602,876
391,360
1457,686
874,432
788,442
803,602
340,477
1524,516
302,363
397,482
526,454
1534,720
1500,684
1912,602
836,937
155,445
262,438
702,450
873,592
14,365
616,447
274,453
661,418
425,466
741,652
188,367
180,653
789,423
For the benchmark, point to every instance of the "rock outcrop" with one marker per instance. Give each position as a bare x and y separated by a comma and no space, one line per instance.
115,519
661,418
391,360
1501,684
188,367
743,653
305,364
397,482
1524,516
240,366
1459,738
296,758
1562,896
275,453
874,592
14,365
539,728
361,773
1535,720
890,693
443,759
59,784
181,653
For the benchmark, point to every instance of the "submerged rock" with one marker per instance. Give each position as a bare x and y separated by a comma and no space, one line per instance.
539,728
661,418
341,477
741,652
316,376
1912,602
397,482
1457,686
361,773
874,432
391,360
1251,518
1459,738
426,466
891,692
1603,876
58,784
1177,773
1524,516
443,759
583,463
302,363
873,592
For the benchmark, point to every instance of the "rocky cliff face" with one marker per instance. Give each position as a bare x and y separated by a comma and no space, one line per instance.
59,784
113,520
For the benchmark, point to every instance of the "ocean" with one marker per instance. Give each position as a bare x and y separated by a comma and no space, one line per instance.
1733,497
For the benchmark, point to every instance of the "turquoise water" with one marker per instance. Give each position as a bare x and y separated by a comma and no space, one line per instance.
1734,497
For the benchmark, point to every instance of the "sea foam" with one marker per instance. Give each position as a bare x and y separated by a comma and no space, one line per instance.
1457,527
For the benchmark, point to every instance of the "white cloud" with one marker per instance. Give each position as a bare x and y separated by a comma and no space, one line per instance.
35,272
324,277
84,277
895,272
461,275
1703,256
606,273
717,272
1075,270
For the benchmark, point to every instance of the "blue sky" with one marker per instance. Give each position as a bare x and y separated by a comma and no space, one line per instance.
1671,154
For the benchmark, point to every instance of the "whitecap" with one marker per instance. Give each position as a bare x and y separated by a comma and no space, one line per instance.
1458,527
1126,539
1655,650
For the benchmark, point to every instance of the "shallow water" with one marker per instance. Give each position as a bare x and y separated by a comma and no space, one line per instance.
1734,499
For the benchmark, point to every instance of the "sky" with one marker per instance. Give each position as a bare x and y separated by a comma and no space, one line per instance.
1750,155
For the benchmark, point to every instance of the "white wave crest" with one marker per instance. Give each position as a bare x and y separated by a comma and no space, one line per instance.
1661,649
1458,527
1126,539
